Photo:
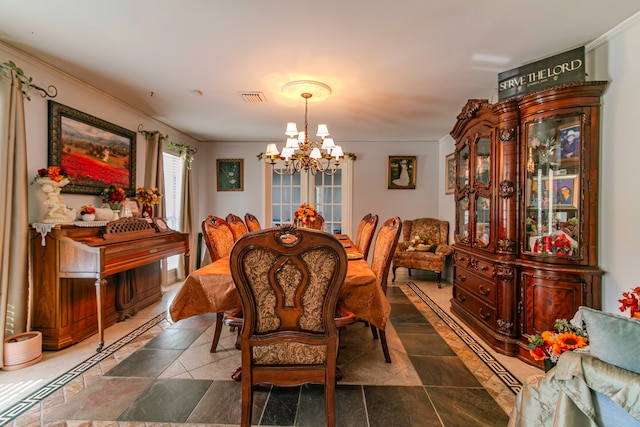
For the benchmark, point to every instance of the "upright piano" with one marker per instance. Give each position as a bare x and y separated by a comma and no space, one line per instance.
87,278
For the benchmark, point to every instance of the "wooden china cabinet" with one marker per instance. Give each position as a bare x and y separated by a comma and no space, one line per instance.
525,250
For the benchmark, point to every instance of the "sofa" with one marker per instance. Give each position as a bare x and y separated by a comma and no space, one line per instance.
597,385
432,259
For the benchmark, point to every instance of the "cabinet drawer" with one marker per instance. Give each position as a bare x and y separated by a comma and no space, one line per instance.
475,307
483,268
477,285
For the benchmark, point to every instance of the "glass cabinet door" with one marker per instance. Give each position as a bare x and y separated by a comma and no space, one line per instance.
483,161
552,193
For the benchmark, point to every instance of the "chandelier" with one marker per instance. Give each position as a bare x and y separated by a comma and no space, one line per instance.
299,153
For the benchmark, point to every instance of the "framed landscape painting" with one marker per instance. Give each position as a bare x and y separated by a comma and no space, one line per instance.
94,152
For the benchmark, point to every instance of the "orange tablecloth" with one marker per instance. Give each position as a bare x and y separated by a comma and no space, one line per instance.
210,289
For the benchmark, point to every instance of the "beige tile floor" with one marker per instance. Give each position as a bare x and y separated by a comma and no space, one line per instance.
358,369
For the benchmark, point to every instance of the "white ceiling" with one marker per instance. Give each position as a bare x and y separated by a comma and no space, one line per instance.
400,70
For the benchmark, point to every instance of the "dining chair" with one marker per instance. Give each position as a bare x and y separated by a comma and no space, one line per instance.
219,240
364,236
316,224
288,280
252,222
237,226
384,246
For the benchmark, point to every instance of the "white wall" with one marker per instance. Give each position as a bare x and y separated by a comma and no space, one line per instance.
370,181
615,59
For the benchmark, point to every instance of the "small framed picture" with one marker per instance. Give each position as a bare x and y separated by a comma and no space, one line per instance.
401,172
450,174
229,173
160,224
133,207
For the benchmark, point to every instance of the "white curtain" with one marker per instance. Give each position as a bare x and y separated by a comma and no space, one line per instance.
14,225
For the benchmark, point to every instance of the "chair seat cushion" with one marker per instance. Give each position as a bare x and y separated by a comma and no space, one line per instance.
419,260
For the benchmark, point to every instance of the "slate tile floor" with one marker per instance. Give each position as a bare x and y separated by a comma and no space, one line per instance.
173,379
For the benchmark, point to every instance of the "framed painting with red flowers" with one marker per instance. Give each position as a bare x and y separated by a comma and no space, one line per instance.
95,152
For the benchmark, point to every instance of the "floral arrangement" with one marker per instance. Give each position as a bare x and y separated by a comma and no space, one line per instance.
306,213
631,300
113,196
148,196
565,336
87,210
544,147
54,173
418,240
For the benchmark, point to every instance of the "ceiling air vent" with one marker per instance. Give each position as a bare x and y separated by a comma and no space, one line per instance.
253,97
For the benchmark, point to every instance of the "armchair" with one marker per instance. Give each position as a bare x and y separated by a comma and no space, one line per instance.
431,260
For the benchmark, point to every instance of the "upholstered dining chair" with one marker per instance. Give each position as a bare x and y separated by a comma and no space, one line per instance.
364,236
238,229
252,222
316,224
385,244
219,240
288,280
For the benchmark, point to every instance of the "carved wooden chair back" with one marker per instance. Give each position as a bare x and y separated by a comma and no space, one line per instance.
217,236
252,222
316,224
288,280
238,229
366,230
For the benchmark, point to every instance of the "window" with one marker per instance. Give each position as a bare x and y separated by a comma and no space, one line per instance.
330,194
173,172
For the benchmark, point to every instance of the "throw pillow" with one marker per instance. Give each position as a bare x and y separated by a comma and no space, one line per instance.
613,338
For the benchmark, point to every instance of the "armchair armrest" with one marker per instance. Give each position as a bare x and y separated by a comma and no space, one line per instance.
445,250
401,246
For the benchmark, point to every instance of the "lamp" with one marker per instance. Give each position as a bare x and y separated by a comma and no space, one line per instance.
299,153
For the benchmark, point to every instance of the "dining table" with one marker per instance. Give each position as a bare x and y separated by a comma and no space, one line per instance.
210,289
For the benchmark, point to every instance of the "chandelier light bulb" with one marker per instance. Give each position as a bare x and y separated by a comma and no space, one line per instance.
292,130
323,131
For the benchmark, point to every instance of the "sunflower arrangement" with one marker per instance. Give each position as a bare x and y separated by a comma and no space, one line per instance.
306,213
551,344
148,196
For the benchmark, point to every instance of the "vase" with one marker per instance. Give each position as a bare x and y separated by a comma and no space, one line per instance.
56,208
89,217
147,211
116,214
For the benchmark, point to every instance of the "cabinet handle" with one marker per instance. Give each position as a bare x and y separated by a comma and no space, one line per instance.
461,297
484,268
483,315
462,277
483,291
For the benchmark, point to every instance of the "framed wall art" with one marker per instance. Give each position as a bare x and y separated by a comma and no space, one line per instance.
230,174
401,172
95,152
450,174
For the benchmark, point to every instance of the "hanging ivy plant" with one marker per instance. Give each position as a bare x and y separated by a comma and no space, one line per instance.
27,85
